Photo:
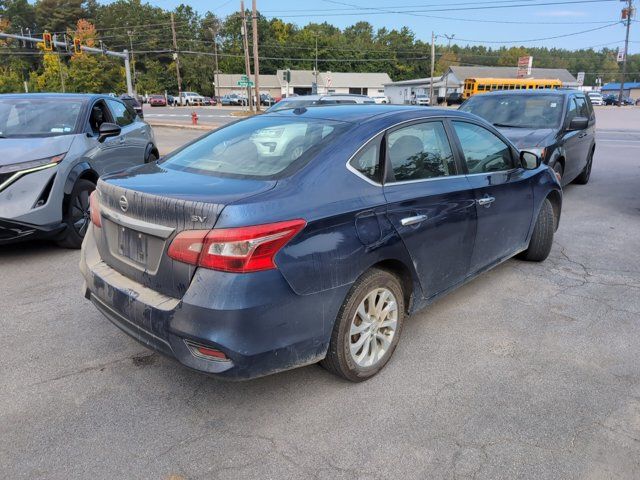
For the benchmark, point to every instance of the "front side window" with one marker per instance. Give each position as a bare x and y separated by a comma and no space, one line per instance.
420,151
483,151
121,113
259,147
583,109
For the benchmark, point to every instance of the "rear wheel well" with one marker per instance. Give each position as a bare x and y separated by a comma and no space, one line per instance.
400,270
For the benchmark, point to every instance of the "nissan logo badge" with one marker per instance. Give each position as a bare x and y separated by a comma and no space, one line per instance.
124,203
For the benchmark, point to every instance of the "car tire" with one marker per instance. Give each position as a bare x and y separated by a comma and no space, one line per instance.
364,337
542,237
151,158
584,176
558,169
76,217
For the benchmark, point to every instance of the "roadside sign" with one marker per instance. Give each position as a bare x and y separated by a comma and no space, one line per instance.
620,57
524,66
580,78
245,83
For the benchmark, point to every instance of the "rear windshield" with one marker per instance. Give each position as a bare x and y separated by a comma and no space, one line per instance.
518,111
38,117
259,147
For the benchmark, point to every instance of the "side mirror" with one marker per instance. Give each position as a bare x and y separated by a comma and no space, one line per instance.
529,160
578,123
108,130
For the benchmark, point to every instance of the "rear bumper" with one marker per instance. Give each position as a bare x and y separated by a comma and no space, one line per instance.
12,231
256,320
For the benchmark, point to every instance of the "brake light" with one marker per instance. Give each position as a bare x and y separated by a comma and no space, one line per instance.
240,250
94,209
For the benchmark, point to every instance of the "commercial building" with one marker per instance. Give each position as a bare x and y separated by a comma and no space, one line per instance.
453,81
631,89
302,82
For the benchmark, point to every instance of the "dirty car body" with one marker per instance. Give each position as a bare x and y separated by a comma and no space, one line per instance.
166,255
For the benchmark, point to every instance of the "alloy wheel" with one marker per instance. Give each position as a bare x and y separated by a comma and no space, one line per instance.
80,214
373,327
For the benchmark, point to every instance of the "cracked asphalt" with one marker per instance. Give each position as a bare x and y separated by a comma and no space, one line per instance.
531,371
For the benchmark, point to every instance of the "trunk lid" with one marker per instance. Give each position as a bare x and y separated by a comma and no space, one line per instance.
143,209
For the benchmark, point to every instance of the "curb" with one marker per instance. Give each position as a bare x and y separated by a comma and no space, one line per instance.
207,127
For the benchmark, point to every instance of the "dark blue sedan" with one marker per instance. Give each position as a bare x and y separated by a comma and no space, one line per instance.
309,235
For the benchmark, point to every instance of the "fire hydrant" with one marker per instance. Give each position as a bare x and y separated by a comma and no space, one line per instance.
194,118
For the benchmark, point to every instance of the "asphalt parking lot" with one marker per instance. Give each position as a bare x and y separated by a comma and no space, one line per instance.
530,371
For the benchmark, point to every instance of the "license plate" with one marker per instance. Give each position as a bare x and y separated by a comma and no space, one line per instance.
133,245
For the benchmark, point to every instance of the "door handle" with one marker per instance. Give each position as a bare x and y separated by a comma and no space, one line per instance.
486,201
413,220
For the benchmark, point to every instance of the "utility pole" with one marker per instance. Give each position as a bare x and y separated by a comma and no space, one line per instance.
176,57
55,42
256,60
216,89
315,70
433,64
446,80
626,50
133,60
245,44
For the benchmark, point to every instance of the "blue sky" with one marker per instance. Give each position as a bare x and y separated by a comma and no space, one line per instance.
536,21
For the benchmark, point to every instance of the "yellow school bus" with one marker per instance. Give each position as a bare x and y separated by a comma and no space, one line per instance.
473,86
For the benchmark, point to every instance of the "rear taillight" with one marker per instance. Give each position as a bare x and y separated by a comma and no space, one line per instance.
94,209
240,250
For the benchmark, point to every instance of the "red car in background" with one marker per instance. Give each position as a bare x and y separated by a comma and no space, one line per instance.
157,101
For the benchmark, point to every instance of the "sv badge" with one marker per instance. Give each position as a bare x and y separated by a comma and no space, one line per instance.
198,218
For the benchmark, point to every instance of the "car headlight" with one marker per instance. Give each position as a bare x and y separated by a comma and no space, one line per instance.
33,164
11,173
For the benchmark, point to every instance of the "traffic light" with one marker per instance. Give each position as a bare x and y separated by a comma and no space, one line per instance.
77,46
48,41
286,76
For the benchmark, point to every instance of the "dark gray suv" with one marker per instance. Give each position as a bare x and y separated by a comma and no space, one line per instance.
557,125
53,148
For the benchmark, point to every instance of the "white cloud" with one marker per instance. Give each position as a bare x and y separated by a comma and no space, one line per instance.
561,13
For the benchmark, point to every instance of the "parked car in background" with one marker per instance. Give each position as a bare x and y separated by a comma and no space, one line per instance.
331,99
266,100
595,98
188,99
171,100
610,99
157,101
133,103
381,99
423,100
53,148
233,99
237,262
209,101
557,125
455,98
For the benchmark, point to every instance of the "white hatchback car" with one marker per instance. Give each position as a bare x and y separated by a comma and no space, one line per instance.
596,98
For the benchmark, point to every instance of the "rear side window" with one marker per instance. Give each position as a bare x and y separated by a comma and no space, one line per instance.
259,147
367,161
420,151
122,115
483,151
